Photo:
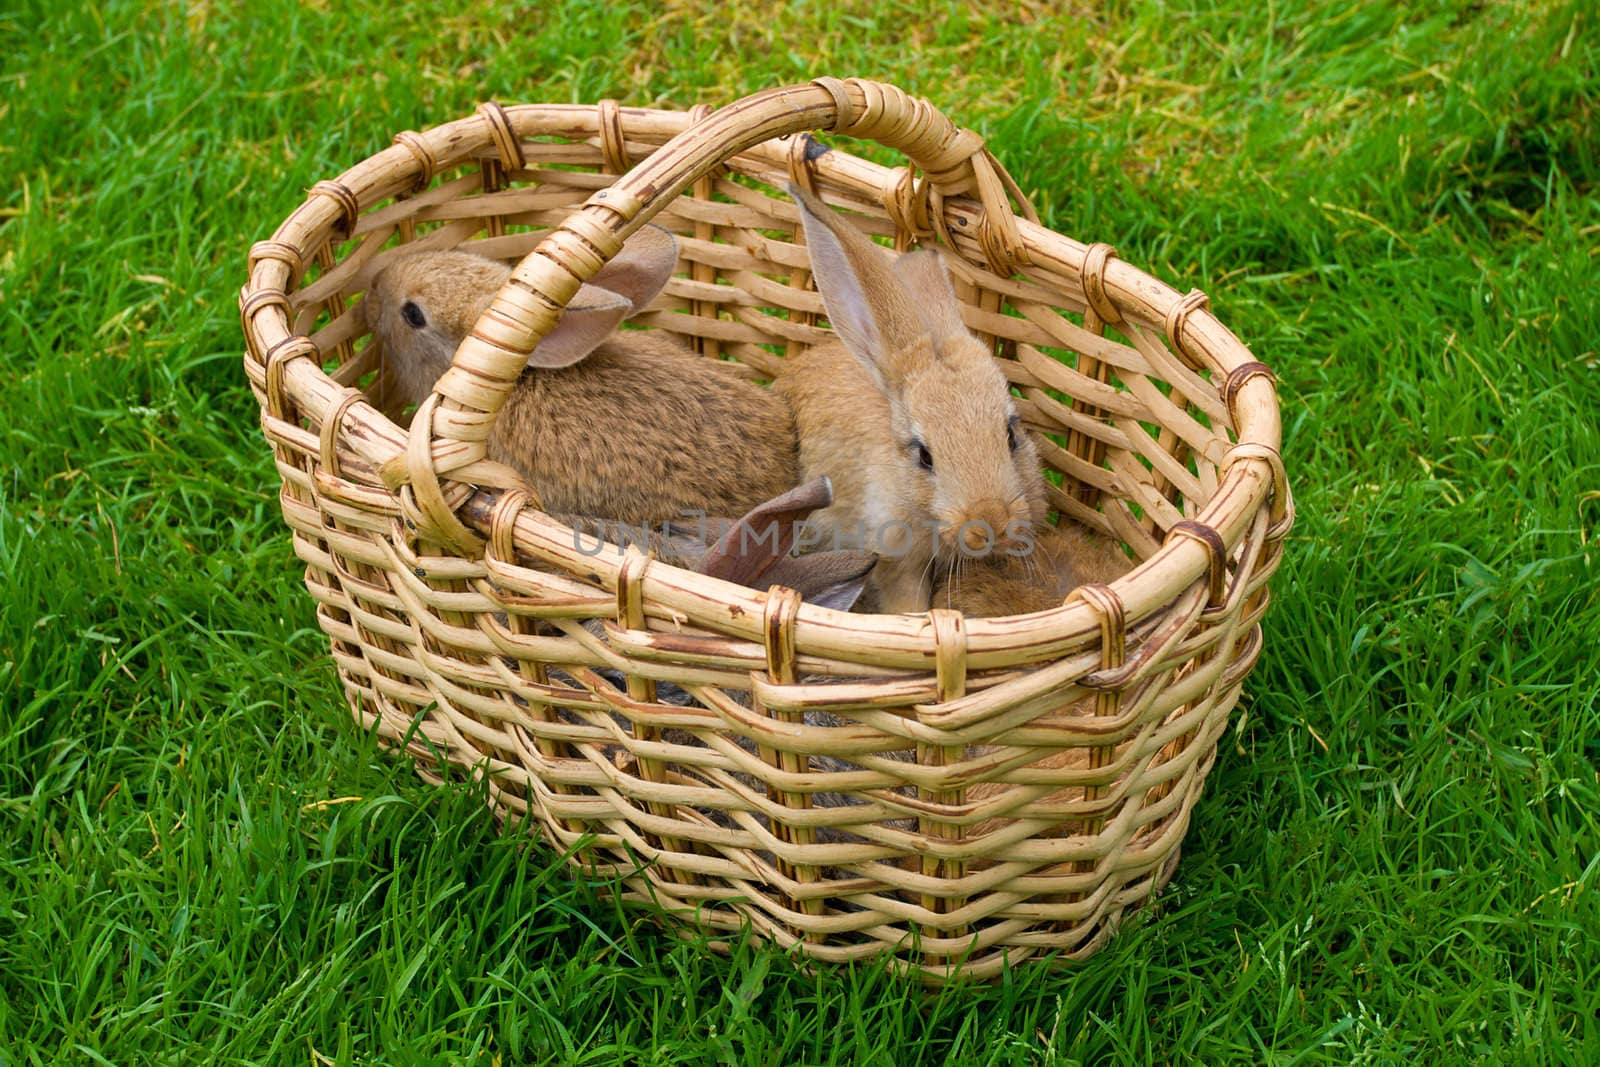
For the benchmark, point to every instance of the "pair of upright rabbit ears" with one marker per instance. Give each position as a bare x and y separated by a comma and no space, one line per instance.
621,289
885,309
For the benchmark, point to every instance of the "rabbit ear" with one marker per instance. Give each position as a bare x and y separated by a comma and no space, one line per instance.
641,268
619,290
927,278
590,318
828,579
866,302
764,535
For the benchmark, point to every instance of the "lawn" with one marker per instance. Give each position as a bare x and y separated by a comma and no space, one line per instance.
1397,858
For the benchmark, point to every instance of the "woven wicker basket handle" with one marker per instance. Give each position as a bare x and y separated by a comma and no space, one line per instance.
451,427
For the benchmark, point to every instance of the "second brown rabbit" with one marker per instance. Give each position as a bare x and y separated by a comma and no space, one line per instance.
626,424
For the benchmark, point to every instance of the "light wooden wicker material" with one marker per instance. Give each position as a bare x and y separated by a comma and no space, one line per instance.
955,792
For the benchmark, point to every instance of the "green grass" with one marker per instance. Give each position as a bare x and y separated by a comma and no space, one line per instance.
1397,858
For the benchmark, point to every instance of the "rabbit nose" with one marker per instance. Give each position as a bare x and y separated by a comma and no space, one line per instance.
981,528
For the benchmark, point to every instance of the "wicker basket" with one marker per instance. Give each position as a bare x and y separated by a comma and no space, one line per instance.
1076,740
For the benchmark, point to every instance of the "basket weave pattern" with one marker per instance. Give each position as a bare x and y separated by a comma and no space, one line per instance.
956,792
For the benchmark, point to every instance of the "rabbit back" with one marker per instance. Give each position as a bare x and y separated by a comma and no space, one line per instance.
645,431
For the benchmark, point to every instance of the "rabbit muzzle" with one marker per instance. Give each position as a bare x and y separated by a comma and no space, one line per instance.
984,527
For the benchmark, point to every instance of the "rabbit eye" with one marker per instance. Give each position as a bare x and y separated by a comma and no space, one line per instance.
413,315
924,457
1012,441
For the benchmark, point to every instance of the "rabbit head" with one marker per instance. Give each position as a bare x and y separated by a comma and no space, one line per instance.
422,306
961,457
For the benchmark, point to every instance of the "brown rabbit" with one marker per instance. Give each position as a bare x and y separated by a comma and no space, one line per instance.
1032,577
908,413
630,425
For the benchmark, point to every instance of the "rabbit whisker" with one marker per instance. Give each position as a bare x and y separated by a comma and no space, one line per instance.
953,577
928,571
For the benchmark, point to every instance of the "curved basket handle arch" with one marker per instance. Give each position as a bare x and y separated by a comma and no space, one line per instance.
457,418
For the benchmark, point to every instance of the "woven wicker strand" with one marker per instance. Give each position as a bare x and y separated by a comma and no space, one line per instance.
758,765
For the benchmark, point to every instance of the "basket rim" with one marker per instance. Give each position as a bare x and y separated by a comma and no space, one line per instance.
285,367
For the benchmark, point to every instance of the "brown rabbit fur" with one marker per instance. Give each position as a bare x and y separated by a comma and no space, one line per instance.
630,425
1061,558
908,414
